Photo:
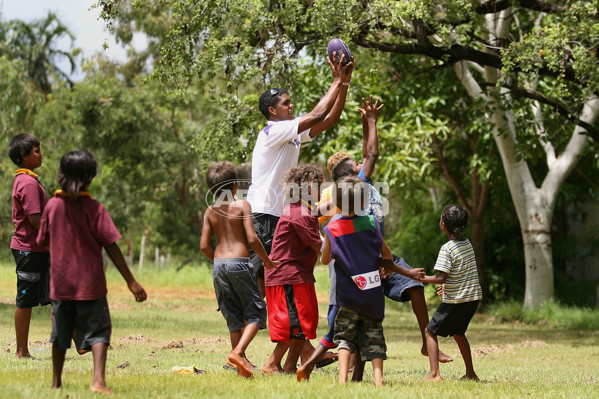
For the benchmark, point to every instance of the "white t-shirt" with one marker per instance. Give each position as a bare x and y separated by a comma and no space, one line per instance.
276,151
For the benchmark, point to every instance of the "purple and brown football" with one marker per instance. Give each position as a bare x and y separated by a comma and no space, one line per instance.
339,46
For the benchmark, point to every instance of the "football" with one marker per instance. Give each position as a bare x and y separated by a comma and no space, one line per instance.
339,46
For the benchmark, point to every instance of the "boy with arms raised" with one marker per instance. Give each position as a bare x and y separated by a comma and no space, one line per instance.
354,241
235,283
456,267
32,260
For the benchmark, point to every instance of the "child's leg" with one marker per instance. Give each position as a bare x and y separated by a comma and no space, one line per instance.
421,312
303,372
58,356
22,322
377,367
237,355
99,351
432,347
464,346
344,355
273,363
295,351
359,365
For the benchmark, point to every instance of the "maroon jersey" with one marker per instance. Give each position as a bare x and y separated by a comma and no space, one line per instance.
76,233
28,198
296,231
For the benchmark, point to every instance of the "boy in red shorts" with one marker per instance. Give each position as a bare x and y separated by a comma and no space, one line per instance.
290,295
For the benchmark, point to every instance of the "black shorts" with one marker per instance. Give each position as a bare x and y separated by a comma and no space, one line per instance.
33,278
89,319
265,226
452,318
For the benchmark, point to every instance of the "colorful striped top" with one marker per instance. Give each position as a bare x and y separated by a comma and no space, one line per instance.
456,258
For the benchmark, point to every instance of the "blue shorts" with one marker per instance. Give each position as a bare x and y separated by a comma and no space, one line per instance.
395,286
33,278
237,293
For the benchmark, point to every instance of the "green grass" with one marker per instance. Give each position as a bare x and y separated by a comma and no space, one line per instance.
179,326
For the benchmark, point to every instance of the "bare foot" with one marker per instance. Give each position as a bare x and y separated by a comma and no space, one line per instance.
56,385
432,378
239,363
100,388
303,373
443,358
27,355
472,377
270,370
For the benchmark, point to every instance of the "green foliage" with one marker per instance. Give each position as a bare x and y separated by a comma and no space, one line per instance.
551,313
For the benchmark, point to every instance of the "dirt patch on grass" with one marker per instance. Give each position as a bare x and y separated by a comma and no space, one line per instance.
490,350
136,338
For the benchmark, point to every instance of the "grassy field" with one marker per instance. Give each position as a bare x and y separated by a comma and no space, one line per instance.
179,326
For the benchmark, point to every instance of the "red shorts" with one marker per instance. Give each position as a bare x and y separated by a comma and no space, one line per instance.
292,312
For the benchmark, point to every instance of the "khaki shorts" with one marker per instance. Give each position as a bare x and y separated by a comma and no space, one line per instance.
353,331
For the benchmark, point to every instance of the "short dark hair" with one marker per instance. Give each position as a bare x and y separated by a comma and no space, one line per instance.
350,193
270,98
221,176
343,168
302,176
455,219
20,146
77,170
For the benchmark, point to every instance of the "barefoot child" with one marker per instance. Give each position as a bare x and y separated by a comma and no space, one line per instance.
75,227
32,260
235,283
355,241
290,294
457,272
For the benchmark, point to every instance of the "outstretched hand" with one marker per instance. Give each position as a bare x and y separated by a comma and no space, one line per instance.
339,70
370,109
138,291
416,274
440,290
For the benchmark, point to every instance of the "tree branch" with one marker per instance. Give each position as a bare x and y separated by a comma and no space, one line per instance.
494,6
559,107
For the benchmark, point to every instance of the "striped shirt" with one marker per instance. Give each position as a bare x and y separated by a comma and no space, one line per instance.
456,258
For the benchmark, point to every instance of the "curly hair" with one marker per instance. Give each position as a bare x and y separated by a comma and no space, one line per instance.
455,219
350,194
299,181
335,159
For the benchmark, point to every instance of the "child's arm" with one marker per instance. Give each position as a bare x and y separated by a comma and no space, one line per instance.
252,237
205,238
35,220
325,258
114,251
388,264
370,143
439,278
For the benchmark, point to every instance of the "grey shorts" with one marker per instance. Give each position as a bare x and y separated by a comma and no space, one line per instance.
89,319
238,293
265,226
33,278
353,331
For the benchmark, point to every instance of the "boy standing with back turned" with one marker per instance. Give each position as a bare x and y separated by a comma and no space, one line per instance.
235,283
355,241
456,267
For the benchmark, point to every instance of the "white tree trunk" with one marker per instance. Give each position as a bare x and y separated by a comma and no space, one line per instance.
534,206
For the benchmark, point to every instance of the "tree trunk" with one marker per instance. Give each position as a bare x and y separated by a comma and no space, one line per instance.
539,267
478,243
